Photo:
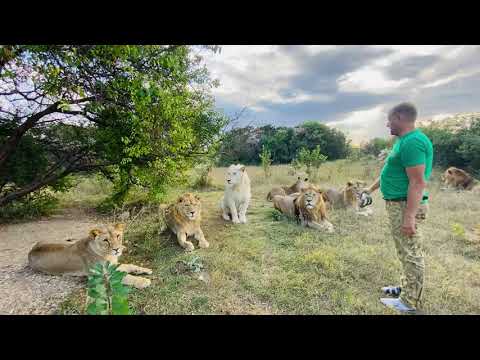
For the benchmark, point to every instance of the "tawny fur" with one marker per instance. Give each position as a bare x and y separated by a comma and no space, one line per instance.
311,209
287,190
460,180
184,219
75,259
307,206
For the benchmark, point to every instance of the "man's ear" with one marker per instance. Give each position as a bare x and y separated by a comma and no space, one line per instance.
95,232
120,227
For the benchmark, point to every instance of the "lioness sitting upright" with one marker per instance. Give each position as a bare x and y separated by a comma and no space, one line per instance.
234,203
183,218
102,244
460,180
287,190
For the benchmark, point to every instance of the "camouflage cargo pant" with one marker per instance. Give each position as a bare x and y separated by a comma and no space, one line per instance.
409,251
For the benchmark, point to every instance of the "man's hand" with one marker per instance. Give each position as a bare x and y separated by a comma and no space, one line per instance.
408,227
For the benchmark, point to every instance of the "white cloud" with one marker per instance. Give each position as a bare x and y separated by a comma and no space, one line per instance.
363,124
262,78
370,80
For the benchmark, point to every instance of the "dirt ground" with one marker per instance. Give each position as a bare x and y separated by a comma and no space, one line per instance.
23,291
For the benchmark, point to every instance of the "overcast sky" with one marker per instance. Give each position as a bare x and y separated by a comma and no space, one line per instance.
349,87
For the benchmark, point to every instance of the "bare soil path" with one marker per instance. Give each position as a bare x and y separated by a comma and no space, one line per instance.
23,291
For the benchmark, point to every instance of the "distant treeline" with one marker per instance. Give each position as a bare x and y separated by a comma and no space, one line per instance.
244,145
454,145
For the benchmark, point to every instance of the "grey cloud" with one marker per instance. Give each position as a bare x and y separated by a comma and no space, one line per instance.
411,67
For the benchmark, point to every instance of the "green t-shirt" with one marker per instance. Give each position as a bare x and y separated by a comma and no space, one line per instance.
411,149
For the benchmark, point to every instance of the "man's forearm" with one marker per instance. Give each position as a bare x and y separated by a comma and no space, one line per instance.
374,186
414,197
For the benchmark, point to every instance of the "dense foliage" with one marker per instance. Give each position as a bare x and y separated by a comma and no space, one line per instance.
458,147
244,145
137,114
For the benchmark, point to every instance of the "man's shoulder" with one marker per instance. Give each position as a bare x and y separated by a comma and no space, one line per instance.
418,138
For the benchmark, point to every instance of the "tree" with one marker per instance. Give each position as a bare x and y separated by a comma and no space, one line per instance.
375,146
311,160
266,160
240,145
332,141
137,114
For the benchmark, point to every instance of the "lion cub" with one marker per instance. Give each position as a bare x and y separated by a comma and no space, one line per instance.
183,218
102,244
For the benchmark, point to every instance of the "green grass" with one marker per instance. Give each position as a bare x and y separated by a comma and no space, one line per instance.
273,266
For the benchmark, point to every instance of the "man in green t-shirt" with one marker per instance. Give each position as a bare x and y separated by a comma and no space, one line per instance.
402,182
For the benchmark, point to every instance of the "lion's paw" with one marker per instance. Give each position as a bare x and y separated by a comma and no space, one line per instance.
203,244
189,246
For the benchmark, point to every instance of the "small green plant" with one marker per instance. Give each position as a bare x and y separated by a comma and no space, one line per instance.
277,215
266,159
33,205
195,264
311,160
458,230
106,295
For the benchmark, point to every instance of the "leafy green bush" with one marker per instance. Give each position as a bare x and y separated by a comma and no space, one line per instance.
106,293
266,159
311,160
34,205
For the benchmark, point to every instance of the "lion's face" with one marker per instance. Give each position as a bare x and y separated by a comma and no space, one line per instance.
455,176
355,187
301,183
234,175
109,239
311,197
189,205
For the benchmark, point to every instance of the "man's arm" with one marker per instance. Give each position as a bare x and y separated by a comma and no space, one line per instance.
373,187
416,186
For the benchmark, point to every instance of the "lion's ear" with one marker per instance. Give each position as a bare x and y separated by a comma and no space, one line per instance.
197,197
349,183
325,197
306,179
180,199
95,232
299,178
242,169
119,227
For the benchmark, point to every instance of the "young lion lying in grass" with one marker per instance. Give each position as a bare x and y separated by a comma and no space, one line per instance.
347,197
102,244
308,206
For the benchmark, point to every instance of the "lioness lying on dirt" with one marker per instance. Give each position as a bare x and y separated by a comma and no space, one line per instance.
102,244
307,206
